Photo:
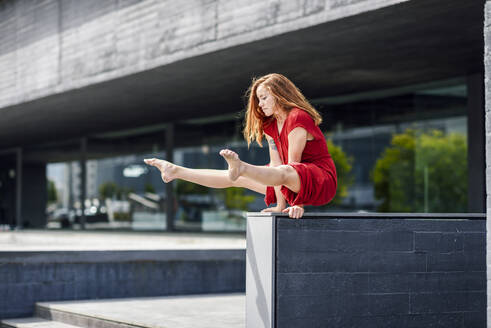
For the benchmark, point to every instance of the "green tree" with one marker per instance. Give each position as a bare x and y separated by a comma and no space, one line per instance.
149,188
184,187
111,189
344,165
235,198
108,190
52,193
422,172
122,192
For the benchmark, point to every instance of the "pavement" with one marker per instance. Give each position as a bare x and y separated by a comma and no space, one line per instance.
209,310
71,240
190,311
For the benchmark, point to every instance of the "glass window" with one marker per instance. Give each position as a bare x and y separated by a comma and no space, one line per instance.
124,193
210,209
402,152
405,153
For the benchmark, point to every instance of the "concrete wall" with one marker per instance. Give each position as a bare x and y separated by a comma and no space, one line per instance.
52,46
374,271
487,86
29,277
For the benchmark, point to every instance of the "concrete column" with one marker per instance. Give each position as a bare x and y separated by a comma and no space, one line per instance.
487,90
83,179
18,188
70,185
475,144
169,187
260,271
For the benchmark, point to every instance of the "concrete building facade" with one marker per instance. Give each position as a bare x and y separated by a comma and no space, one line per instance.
83,80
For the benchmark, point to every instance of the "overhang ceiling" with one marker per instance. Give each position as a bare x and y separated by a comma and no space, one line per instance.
413,42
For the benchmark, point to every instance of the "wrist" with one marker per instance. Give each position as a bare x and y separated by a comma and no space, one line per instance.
280,202
281,206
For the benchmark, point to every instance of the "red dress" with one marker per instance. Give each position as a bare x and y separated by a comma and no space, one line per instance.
318,181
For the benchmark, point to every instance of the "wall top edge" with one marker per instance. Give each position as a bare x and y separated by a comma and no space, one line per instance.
120,256
345,215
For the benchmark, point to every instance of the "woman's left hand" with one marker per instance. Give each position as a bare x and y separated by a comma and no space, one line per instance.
295,212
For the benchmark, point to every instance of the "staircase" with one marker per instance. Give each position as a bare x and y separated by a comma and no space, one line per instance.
196,311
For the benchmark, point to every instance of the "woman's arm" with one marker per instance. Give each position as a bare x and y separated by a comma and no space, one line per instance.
297,139
275,160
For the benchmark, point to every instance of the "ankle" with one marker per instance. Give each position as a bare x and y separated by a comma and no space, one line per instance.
244,168
175,170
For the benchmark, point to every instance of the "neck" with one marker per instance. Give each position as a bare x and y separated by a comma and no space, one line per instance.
281,115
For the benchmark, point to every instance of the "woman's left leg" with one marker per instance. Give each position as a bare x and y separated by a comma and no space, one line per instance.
204,177
283,175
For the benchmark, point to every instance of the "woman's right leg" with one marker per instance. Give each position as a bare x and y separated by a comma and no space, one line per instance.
217,179
204,177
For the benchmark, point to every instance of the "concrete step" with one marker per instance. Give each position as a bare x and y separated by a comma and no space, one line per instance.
189,311
34,323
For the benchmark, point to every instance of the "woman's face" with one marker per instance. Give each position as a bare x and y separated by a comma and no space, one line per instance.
266,100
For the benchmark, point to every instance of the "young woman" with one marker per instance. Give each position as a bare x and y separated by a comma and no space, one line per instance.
301,171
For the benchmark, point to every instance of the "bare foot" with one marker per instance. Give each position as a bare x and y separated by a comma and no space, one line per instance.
235,166
167,169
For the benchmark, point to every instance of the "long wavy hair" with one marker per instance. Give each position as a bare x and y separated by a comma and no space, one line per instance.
286,95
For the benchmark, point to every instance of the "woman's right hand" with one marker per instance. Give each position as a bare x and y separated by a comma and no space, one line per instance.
274,209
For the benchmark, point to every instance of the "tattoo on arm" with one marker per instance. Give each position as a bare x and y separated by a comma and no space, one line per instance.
272,144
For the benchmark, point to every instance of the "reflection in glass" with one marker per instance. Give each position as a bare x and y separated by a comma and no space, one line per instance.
408,151
402,152
422,172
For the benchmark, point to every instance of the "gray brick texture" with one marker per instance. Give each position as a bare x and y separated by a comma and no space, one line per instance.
380,273
22,284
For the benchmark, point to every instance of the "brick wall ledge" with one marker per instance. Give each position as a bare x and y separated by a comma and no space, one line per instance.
361,215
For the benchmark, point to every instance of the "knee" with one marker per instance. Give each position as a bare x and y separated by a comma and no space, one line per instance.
285,172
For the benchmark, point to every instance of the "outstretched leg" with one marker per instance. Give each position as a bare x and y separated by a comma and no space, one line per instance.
283,175
207,178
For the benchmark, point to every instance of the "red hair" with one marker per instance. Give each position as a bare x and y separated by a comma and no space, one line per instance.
286,95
